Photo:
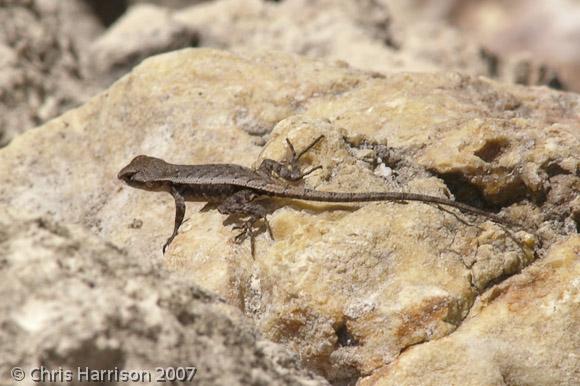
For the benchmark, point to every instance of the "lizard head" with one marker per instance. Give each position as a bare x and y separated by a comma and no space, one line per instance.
144,172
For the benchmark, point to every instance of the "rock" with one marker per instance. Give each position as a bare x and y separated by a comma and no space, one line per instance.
458,35
39,69
73,300
174,4
555,44
363,33
524,332
143,31
55,55
351,286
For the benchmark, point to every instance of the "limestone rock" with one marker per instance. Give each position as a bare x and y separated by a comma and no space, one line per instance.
363,33
346,286
39,68
175,4
143,31
55,54
555,44
522,332
73,300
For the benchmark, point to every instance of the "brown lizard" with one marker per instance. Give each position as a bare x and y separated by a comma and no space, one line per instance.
234,188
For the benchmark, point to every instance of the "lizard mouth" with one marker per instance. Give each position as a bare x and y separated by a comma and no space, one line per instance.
133,178
126,176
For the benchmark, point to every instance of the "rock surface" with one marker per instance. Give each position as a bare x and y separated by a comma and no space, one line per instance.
556,44
54,55
348,287
73,300
363,33
145,30
39,64
513,335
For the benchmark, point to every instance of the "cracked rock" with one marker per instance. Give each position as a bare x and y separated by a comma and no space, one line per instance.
347,287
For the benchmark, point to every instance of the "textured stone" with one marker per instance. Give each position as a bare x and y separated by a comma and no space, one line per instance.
39,68
176,4
73,300
55,54
363,33
346,286
524,331
143,31
556,43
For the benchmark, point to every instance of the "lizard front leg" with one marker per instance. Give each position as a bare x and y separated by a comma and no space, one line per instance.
289,169
240,203
179,214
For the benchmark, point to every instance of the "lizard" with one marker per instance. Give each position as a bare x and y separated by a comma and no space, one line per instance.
235,188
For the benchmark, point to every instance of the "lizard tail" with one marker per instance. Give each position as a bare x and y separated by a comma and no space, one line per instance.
314,195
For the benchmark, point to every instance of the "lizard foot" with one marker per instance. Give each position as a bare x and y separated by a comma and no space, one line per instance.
169,240
247,230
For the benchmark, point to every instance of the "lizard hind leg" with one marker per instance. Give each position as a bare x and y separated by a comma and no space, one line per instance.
247,230
240,204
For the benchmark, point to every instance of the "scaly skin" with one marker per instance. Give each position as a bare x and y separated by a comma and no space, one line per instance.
235,188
